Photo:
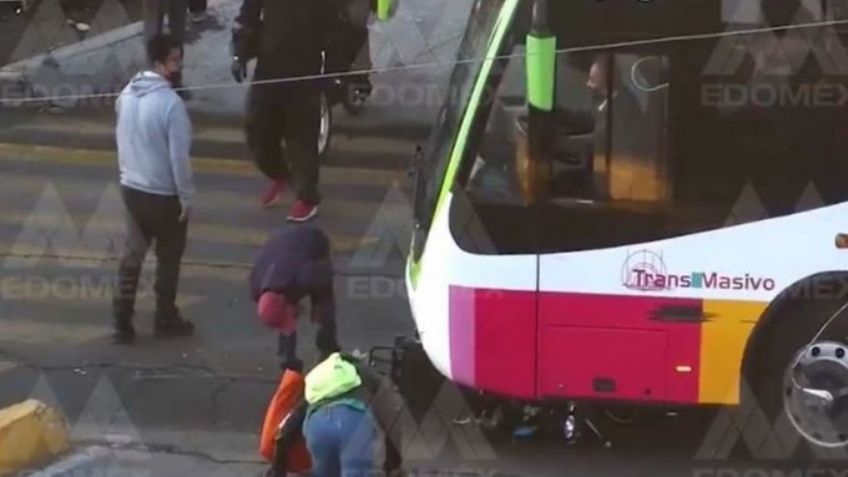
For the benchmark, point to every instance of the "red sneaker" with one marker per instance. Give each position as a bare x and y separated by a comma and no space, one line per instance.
272,194
302,211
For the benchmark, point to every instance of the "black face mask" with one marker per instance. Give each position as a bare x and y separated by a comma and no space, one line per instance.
176,79
598,97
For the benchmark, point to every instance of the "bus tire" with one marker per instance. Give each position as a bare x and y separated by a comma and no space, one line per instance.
766,391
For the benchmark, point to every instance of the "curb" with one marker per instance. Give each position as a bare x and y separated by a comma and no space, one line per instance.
31,433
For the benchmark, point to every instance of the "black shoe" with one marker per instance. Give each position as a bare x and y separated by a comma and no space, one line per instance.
296,366
175,327
124,333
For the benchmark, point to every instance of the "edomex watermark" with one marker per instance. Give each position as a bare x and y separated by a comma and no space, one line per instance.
764,67
375,270
54,70
748,441
427,430
62,256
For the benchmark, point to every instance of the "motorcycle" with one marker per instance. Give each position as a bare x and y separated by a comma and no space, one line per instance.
341,86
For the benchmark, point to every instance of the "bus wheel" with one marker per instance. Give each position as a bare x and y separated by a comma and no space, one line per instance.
815,394
801,388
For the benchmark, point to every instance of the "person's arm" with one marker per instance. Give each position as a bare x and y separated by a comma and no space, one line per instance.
179,146
246,29
316,278
244,44
250,13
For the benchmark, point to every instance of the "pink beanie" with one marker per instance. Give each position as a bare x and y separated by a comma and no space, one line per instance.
276,312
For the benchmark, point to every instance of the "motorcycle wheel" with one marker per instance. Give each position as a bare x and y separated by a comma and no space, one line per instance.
325,132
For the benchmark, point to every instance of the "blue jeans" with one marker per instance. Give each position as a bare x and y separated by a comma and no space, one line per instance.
342,441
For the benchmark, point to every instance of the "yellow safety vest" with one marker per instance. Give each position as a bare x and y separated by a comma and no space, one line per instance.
331,378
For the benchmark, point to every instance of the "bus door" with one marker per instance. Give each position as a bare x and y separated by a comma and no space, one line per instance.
609,187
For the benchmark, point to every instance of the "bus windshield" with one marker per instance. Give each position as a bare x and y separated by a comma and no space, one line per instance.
650,142
472,52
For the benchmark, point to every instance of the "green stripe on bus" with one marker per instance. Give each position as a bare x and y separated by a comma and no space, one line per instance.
496,40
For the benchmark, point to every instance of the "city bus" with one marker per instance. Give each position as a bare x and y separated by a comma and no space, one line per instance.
642,202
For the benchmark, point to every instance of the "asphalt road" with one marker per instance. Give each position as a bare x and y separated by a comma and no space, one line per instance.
195,406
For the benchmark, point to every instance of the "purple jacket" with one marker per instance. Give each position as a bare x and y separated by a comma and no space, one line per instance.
296,262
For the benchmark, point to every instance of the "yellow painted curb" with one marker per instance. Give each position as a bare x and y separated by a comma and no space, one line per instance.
31,434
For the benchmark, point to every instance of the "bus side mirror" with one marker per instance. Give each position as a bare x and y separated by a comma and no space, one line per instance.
386,9
534,164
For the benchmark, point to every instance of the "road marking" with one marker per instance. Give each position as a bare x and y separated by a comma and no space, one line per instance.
218,234
31,331
230,167
191,268
342,143
70,464
206,199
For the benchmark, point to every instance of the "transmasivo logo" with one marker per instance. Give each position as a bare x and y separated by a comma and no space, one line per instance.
646,271
705,280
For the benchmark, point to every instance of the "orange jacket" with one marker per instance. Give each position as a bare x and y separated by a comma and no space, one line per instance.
288,397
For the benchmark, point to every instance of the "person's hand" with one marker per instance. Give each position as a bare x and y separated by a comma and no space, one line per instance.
238,69
186,213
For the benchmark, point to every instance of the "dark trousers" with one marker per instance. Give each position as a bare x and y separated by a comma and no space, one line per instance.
291,113
197,6
325,338
151,217
155,12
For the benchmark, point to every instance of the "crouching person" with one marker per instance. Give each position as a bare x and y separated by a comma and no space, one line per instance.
346,416
295,264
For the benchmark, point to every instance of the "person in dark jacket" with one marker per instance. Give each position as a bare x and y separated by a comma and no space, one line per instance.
295,264
287,39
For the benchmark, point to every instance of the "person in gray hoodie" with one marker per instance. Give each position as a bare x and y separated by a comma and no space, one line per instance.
154,141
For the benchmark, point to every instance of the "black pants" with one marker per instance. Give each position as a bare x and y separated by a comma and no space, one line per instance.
277,112
155,12
151,217
197,6
325,338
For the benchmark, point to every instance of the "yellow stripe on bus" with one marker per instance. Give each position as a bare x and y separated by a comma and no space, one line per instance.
723,339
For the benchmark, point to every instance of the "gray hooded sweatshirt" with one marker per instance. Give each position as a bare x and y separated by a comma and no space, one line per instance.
154,139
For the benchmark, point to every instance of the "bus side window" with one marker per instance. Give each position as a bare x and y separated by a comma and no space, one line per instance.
637,160
577,129
610,125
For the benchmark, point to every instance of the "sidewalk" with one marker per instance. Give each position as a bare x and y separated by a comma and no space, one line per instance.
423,32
